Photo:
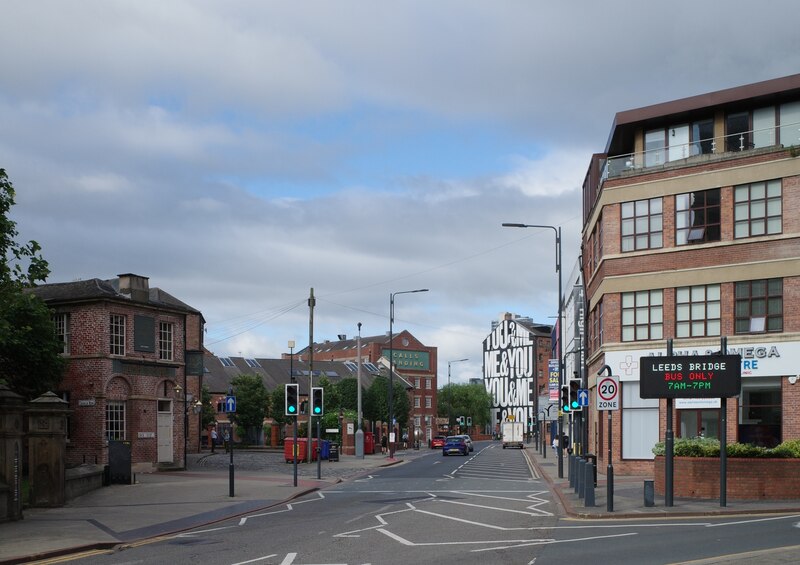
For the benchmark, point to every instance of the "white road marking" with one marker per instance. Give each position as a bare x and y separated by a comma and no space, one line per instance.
257,559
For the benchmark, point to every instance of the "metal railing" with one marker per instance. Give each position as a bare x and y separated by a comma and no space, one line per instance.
634,163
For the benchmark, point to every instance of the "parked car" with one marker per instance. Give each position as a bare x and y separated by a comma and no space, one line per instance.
438,442
455,444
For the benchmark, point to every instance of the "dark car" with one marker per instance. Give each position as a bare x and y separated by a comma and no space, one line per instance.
437,442
455,444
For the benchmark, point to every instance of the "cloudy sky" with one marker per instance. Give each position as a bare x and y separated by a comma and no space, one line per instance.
241,153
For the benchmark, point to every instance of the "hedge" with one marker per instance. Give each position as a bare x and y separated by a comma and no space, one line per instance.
709,447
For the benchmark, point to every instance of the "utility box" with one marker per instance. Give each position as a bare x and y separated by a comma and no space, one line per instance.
119,462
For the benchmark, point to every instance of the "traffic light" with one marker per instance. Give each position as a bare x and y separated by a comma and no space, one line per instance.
574,387
317,407
461,420
469,420
565,398
290,394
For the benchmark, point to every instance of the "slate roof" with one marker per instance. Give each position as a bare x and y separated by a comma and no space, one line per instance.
274,373
99,289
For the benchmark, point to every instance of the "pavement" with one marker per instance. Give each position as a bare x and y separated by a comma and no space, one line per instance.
164,503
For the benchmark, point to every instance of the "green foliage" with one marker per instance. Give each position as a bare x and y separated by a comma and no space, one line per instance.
747,450
376,402
277,405
208,415
709,447
30,354
788,449
252,403
347,390
467,400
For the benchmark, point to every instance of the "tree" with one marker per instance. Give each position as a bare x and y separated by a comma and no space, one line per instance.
277,406
209,414
30,354
252,404
376,406
465,400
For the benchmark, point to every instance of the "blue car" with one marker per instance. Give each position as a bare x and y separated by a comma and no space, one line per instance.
455,444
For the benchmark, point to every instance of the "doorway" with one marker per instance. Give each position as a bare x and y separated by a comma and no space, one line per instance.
164,432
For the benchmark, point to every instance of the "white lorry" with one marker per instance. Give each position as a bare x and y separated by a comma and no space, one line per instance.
513,434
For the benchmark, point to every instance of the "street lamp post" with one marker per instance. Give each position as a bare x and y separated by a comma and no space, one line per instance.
450,396
557,232
391,364
359,431
294,418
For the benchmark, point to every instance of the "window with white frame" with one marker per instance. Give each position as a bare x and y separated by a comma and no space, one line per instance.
642,315
61,330
117,334
115,420
757,209
416,382
639,423
697,311
759,306
642,224
428,384
416,402
165,340
428,402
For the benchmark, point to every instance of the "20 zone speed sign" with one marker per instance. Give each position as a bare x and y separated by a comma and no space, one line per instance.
608,393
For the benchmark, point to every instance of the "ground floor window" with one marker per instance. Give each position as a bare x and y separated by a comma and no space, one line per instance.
639,423
115,420
760,412
698,423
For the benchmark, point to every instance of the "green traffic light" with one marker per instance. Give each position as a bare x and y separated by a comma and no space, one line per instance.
316,410
292,409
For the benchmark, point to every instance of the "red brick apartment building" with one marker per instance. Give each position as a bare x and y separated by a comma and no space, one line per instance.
135,363
692,232
415,362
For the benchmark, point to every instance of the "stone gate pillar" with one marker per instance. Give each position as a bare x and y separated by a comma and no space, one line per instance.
47,450
12,408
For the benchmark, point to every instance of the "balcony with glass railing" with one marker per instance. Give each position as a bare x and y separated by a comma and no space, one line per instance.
702,150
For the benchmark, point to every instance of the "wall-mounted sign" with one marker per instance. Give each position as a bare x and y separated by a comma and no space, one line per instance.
693,376
146,435
86,402
411,360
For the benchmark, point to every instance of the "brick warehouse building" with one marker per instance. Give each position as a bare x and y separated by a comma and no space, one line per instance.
692,232
134,369
415,362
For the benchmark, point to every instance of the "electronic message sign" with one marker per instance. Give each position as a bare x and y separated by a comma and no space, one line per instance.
684,376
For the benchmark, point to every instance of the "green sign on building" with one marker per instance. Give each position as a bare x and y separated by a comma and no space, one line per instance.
410,360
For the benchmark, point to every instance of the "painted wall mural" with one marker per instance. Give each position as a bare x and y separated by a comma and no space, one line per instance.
508,372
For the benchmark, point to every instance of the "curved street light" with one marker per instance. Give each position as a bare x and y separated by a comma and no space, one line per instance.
450,396
391,362
557,232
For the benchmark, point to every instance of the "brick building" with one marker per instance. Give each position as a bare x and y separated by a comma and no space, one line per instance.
413,361
134,369
692,233
515,371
